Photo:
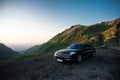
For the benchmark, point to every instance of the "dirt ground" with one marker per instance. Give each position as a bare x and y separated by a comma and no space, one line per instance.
105,66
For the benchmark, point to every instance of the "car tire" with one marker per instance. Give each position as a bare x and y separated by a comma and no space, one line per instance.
79,58
94,54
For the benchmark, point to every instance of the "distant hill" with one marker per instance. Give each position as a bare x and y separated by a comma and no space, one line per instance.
97,34
31,50
6,52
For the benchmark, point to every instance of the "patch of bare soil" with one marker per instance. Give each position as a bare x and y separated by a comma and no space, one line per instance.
105,66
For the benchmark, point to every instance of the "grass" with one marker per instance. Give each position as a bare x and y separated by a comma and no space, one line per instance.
24,57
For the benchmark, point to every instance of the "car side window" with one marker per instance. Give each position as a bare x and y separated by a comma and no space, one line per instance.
89,47
85,47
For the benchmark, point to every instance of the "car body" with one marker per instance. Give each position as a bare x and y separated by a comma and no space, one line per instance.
75,52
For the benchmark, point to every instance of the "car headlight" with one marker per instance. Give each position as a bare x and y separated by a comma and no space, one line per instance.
71,53
55,54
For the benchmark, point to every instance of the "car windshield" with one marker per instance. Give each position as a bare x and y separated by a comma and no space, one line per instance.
75,46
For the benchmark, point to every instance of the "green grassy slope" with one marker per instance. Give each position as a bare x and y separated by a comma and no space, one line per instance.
82,34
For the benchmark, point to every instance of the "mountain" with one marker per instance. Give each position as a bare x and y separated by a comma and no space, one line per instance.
99,34
31,50
78,33
6,52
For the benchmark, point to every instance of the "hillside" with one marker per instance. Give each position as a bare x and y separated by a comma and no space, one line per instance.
6,52
87,33
97,35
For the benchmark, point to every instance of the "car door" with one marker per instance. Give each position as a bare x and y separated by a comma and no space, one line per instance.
85,51
90,50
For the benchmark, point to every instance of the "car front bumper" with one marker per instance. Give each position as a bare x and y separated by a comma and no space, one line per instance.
62,59
65,59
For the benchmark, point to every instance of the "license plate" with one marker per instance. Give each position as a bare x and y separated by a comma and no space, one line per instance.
60,60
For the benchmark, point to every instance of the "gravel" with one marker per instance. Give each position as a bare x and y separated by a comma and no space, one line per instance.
105,66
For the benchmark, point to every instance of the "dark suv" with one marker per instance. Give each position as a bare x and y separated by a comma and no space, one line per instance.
75,52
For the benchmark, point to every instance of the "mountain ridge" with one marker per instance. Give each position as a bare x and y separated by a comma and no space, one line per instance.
6,52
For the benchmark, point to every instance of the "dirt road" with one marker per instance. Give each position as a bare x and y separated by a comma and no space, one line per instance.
105,66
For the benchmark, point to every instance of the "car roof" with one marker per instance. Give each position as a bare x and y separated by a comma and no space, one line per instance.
81,43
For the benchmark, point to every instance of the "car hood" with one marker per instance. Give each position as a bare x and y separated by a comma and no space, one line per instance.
66,51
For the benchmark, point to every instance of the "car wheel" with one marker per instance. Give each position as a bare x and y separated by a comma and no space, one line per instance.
79,58
94,53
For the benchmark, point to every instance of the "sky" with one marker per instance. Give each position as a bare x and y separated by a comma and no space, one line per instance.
24,23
